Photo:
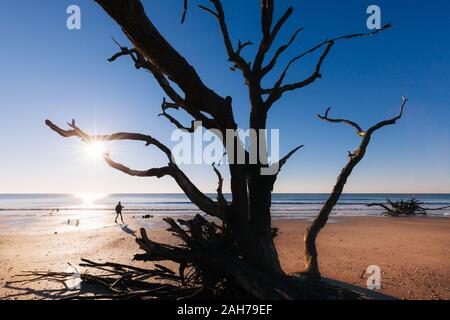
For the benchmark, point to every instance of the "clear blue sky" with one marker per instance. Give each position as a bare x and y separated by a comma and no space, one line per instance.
50,72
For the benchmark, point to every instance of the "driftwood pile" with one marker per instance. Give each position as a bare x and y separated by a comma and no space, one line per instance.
402,207
209,267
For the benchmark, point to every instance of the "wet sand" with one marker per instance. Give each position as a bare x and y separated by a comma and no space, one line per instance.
412,253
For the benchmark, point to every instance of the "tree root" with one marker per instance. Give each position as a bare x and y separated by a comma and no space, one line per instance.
210,267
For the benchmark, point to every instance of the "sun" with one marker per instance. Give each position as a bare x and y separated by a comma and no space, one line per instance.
96,149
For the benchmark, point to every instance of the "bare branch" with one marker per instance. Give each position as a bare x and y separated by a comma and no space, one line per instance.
278,89
177,123
208,10
267,7
283,160
185,8
276,167
141,62
233,56
381,205
194,194
389,121
242,45
154,172
372,129
124,52
161,251
169,105
206,122
269,36
279,51
351,154
220,197
344,37
279,25
311,263
77,132
325,117
197,197
165,59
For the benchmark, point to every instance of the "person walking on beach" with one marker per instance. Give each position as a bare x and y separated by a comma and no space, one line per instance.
119,208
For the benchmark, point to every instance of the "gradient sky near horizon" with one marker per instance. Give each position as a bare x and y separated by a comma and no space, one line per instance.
48,71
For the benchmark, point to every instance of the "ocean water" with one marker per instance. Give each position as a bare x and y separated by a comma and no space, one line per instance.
298,205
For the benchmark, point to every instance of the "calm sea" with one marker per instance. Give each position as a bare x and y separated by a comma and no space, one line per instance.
283,205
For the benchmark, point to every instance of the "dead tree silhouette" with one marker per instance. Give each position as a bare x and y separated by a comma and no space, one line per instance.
238,252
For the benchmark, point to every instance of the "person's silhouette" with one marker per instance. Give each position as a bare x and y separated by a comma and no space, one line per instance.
119,208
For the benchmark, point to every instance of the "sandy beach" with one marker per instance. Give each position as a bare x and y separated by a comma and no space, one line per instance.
413,253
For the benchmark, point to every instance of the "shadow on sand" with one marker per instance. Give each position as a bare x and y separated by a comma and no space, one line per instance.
128,230
371,294
27,293
87,291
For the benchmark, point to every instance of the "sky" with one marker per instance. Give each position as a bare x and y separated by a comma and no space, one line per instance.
50,72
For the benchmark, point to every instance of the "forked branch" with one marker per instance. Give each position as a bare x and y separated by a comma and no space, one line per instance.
119,136
233,55
154,172
276,167
269,34
325,117
163,58
373,128
140,62
193,193
388,122
311,262
220,197
278,53
179,102
278,89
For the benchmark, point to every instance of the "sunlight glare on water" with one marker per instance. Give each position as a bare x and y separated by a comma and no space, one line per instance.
89,199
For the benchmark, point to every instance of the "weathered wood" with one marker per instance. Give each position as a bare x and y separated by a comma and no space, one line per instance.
404,208
241,251
311,233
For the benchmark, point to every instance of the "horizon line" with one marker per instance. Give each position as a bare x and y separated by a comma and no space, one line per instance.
226,193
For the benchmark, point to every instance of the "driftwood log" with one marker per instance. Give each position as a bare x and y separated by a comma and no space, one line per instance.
402,207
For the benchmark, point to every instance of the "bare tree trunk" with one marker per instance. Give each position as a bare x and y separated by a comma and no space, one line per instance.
260,189
310,237
311,233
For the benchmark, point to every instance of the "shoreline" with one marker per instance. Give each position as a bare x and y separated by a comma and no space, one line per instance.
412,252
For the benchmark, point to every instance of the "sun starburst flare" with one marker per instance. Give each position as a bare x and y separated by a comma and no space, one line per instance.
96,149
